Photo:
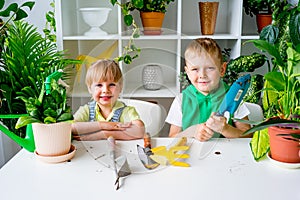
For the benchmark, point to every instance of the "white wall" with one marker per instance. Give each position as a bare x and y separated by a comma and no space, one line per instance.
36,16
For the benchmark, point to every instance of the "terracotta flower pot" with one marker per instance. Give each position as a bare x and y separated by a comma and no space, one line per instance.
208,17
282,149
263,20
152,22
52,139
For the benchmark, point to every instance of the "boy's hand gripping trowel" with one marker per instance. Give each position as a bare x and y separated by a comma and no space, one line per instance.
230,103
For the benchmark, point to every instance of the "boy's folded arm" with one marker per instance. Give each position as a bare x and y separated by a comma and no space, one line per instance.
136,130
91,127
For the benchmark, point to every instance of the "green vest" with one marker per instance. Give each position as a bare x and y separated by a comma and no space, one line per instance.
197,108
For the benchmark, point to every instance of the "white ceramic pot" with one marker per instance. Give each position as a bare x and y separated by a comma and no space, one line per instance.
52,139
95,18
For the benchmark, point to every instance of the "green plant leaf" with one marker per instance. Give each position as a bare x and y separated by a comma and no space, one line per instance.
49,120
273,122
113,2
25,120
260,144
20,14
266,46
50,112
138,3
28,4
294,26
275,80
2,4
269,33
127,59
65,117
128,20
11,8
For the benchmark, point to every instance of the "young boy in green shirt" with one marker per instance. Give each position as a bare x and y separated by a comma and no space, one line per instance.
106,116
198,102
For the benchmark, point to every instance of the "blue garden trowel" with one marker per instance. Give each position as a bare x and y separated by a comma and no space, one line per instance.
235,95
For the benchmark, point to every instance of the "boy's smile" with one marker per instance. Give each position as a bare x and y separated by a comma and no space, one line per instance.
106,93
105,98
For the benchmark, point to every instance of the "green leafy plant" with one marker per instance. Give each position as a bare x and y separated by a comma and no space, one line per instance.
50,29
244,63
51,108
27,58
253,7
275,40
13,12
281,92
131,51
285,86
183,79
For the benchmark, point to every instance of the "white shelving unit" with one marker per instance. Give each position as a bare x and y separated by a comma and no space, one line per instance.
181,25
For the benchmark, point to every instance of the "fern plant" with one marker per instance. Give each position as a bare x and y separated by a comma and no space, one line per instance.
27,58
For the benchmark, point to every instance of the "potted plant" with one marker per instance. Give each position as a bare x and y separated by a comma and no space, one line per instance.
146,8
262,9
151,12
49,115
27,58
281,92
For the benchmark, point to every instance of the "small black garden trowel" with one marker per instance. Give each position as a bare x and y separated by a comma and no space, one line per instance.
145,153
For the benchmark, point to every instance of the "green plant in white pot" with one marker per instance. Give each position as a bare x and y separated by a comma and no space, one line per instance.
50,117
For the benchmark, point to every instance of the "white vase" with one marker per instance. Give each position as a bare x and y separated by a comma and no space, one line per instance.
152,77
52,139
95,18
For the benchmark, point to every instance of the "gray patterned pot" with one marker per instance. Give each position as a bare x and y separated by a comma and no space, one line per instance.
152,77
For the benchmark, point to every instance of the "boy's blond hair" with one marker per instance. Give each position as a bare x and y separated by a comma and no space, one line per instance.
103,70
204,45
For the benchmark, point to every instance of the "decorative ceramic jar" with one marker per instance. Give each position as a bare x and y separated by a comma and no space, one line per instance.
152,77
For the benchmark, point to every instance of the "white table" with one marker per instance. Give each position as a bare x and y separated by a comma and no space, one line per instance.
220,169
